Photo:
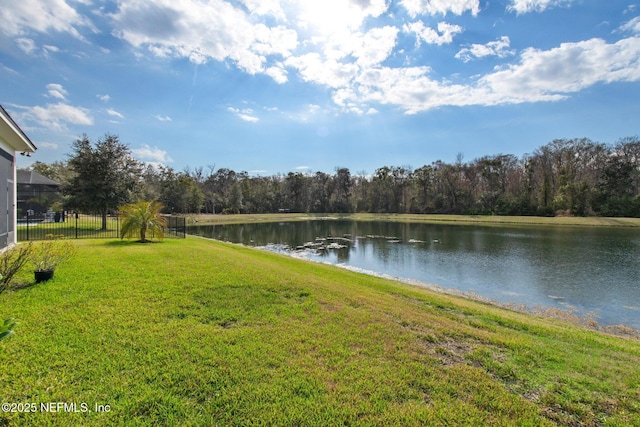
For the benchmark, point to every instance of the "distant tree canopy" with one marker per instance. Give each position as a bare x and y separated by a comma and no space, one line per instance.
105,176
563,177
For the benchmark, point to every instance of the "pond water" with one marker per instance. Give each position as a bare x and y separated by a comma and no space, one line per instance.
587,269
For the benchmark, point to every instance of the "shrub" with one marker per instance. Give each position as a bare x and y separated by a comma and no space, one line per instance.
141,218
47,255
12,261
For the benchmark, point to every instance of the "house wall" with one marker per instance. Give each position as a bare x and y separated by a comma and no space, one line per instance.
7,196
12,140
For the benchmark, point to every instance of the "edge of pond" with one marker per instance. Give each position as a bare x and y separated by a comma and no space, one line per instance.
570,316
488,220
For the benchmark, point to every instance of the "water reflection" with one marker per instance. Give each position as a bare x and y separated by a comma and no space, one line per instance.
591,269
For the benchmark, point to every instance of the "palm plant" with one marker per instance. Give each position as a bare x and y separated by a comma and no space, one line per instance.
6,328
141,218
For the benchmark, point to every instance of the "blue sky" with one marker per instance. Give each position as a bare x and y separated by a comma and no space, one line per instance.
273,86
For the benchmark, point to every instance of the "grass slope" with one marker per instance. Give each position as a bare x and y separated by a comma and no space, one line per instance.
196,332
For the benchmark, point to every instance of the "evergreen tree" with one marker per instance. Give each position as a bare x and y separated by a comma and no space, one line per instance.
105,176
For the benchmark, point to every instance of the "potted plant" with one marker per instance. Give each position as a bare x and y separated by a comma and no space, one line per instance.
47,255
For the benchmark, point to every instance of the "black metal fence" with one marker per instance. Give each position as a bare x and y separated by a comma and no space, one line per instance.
176,226
83,226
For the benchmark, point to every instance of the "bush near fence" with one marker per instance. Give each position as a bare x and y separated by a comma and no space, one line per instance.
83,226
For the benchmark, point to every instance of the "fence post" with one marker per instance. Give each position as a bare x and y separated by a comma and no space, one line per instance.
76,224
27,225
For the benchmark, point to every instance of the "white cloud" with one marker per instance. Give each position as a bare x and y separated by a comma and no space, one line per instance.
114,113
277,73
351,100
330,17
569,68
444,34
56,90
375,46
19,17
220,30
632,26
434,7
332,73
57,116
29,47
410,88
539,76
273,41
525,6
265,8
345,49
8,69
202,31
26,45
50,49
152,155
333,43
245,114
248,118
499,48
302,168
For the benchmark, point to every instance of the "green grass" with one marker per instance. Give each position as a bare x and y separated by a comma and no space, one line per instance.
420,218
196,332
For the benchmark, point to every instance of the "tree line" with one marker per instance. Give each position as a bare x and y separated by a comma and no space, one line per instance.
564,177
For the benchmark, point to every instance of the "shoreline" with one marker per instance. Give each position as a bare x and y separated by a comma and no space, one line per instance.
220,219
567,315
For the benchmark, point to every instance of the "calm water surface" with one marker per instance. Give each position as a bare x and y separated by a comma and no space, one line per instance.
589,269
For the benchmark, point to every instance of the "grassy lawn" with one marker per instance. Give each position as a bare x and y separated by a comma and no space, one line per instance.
419,218
196,332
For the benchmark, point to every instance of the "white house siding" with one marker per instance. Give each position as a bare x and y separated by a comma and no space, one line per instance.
7,198
12,139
